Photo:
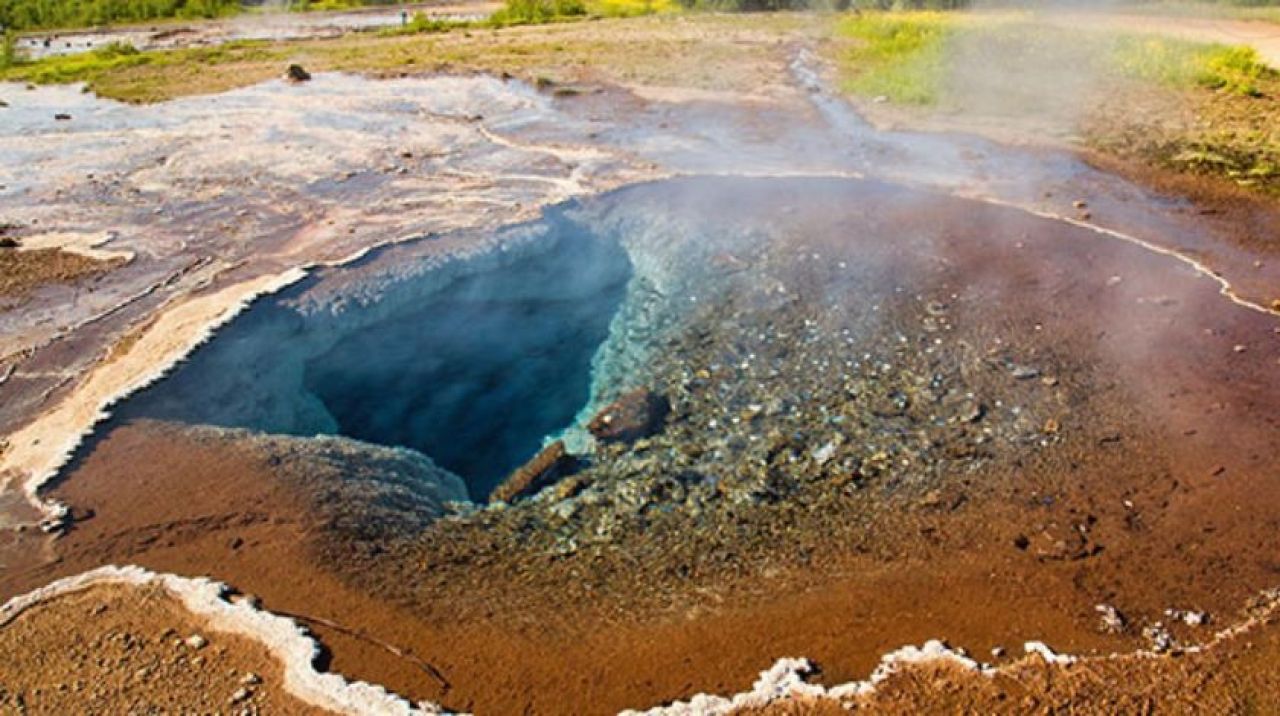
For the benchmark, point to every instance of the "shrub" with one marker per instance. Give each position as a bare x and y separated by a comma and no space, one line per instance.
536,12
9,54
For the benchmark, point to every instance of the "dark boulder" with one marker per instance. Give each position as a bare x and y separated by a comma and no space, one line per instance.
637,414
296,73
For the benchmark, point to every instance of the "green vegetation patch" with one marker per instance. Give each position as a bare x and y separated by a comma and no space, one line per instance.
422,23
907,57
116,67
82,67
631,8
1179,63
537,12
899,56
1200,108
23,15
9,55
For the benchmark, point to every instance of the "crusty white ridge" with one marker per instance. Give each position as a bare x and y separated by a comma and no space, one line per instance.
283,637
785,680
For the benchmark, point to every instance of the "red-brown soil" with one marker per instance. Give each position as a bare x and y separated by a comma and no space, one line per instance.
1235,675
118,649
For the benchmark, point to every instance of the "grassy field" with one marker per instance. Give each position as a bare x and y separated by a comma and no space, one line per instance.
121,72
899,57
1202,108
703,51
907,57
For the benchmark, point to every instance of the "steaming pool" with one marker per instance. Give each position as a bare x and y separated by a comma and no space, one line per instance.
855,370
472,362
899,333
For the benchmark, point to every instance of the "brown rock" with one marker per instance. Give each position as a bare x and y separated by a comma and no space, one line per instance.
546,468
635,415
296,73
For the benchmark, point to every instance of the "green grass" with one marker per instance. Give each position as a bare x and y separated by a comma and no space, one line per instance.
30,15
112,61
118,71
76,68
631,8
899,56
537,12
1231,129
904,56
9,54
422,23
330,5
1179,63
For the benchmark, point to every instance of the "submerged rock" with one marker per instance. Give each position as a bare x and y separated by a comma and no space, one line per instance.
637,414
546,468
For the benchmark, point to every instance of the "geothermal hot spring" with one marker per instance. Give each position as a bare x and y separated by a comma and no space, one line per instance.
473,362
859,374
803,329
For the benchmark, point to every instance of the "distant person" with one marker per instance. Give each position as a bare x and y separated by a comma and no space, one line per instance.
404,17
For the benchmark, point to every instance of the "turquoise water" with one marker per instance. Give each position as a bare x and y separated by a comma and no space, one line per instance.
474,373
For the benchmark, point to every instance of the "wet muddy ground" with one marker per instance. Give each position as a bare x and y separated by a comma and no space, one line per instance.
894,411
